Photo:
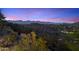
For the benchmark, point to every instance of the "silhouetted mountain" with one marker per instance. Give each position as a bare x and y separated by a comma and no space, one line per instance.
29,22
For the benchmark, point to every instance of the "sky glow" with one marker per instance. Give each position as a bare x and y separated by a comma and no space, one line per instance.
68,15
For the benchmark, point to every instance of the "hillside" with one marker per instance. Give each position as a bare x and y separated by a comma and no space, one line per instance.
12,38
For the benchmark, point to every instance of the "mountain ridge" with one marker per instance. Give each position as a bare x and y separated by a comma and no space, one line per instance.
39,22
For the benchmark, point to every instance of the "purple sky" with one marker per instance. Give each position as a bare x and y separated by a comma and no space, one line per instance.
68,15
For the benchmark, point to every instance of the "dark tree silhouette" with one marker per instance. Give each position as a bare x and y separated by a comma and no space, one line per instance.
1,16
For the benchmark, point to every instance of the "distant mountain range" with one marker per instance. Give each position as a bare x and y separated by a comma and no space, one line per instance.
29,22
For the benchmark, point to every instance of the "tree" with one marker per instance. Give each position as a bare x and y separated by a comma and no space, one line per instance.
1,16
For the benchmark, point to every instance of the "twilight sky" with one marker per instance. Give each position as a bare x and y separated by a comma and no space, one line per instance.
68,15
